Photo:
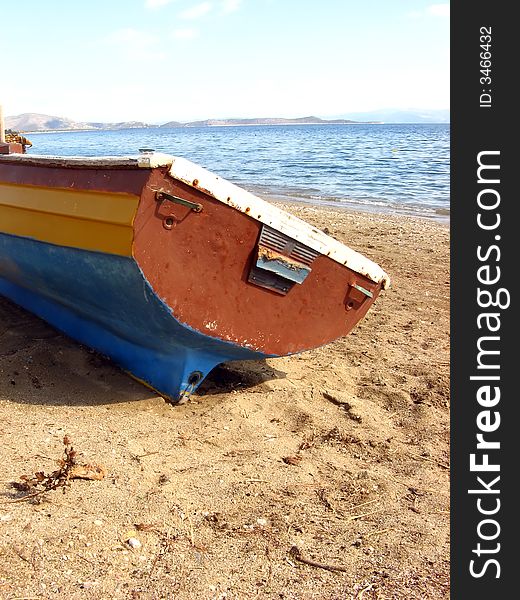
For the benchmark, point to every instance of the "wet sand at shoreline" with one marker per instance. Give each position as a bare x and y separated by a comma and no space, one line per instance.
341,452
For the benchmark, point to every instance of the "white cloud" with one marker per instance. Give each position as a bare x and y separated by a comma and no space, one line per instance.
433,10
438,10
157,3
196,11
185,34
229,6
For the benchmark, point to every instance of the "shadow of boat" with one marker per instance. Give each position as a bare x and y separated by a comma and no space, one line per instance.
42,366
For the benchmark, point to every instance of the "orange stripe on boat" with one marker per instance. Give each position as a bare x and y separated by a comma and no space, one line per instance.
79,219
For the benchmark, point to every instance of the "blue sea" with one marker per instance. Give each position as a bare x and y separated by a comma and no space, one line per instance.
377,167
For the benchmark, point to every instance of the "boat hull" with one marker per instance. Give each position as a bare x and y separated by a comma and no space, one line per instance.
104,302
169,270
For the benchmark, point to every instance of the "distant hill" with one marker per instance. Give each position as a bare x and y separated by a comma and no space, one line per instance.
29,122
120,125
388,115
37,122
172,124
259,121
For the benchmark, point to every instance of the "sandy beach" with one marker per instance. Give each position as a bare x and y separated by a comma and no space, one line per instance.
323,475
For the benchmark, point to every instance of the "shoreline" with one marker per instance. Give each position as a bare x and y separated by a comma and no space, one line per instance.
378,207
378,210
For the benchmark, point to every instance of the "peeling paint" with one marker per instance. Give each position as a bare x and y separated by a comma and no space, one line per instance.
282,265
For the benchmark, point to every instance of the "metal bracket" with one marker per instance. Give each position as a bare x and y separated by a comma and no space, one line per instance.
363,290
161,196
356,295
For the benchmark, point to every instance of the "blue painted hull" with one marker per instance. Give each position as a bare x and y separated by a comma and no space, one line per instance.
105,302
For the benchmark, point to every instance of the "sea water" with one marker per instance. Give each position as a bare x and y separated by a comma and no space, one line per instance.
375,167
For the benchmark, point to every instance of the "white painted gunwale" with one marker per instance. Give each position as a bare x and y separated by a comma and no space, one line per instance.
265,212
228,193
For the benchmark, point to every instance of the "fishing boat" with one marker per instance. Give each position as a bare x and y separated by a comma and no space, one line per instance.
168,269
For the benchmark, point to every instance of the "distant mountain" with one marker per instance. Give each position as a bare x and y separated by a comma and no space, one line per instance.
120,125
38,122
259,121
29,122
388,115
172,124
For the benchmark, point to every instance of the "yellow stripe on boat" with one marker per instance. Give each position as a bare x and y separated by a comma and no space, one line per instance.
79,219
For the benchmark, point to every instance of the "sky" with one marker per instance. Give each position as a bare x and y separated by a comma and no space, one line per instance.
182,60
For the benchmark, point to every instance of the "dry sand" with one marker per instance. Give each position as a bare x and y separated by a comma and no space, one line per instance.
342,452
